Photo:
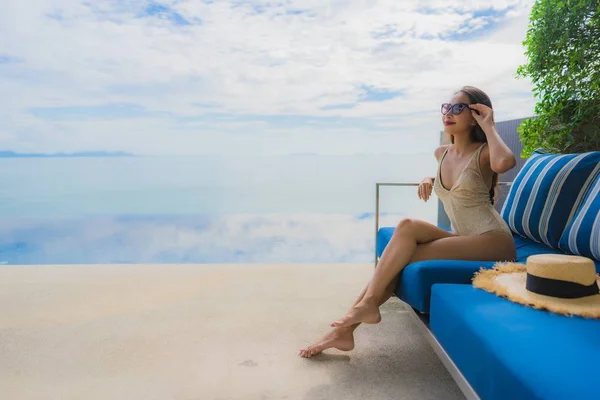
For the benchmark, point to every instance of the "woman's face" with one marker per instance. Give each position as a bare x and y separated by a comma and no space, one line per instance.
457,118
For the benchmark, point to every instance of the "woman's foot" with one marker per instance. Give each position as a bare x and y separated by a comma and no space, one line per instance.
340,338
363,312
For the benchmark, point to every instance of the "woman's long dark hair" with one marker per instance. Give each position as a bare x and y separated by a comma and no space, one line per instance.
477,135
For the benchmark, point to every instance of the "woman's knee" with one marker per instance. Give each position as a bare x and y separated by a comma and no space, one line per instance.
405,225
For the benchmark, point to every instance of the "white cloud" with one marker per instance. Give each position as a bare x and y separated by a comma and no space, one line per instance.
277,238
251,58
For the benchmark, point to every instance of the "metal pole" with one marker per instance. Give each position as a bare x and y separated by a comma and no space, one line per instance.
376,218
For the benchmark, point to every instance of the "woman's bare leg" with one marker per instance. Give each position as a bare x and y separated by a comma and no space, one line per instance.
416,240
427,242
342,338
399,252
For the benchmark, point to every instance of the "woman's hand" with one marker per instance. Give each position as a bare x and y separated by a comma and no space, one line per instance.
485,118
425,188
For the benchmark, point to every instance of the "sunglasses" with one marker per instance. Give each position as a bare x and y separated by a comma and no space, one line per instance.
456,108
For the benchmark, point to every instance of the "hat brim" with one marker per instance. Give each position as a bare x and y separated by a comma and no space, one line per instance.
508,280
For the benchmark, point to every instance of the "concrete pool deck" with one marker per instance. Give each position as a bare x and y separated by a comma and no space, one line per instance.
203,332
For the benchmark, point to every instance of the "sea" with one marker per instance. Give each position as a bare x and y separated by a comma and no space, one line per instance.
204,209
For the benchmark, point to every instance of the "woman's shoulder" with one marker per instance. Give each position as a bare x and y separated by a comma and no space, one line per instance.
440,151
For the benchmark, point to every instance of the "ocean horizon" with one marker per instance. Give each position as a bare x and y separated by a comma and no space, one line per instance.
203,209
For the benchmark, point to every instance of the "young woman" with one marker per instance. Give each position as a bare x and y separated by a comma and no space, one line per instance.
465,183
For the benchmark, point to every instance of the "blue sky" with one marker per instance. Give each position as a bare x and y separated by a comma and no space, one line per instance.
251,77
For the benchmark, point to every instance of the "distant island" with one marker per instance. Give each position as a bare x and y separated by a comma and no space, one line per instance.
12,154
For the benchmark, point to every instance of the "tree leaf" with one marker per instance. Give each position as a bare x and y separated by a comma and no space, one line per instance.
562,47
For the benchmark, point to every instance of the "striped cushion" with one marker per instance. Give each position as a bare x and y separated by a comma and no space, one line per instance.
582,235
546,192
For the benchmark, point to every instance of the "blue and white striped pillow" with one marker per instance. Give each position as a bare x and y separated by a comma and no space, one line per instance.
582,235
546,193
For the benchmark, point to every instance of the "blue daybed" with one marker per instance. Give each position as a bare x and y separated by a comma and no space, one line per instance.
497,349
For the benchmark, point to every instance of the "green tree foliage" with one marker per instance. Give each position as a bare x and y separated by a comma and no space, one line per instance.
563,51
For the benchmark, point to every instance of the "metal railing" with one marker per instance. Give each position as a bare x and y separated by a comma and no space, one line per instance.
403,184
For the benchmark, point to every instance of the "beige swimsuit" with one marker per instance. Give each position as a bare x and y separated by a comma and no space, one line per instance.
467,203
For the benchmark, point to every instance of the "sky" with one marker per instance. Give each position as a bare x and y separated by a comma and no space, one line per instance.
234,77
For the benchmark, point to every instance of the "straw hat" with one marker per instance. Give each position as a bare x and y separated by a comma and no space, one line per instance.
563,284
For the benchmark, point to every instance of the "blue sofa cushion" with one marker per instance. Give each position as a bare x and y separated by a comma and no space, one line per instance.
416,280
546,192
506,350
582,235
384,235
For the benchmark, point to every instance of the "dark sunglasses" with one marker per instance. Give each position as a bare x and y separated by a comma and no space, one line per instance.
456,108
